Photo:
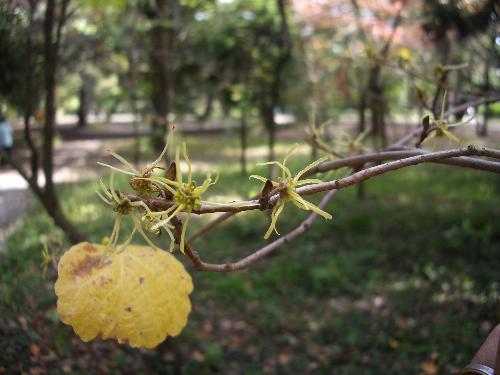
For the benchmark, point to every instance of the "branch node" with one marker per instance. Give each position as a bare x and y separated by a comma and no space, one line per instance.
265,195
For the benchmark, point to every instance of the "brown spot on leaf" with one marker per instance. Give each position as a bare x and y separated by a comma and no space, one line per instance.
141,280
105,280
88,247
86,265
129,309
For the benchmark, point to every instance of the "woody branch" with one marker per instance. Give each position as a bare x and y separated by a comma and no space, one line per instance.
245,262
404,159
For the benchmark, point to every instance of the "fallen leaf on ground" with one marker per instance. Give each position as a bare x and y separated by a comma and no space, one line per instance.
429,368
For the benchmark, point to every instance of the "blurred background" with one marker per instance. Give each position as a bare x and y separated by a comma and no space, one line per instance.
403,280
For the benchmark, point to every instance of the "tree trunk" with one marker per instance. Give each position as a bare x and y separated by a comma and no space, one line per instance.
271,130
208,106
53,207
50,60
163,37
377,106
243,139
361,128
361,112
133,58
28,95
267,116
376,87
482,128
284,45
51,54
84,98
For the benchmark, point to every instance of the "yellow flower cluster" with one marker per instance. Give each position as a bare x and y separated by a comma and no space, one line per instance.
186,196
288,193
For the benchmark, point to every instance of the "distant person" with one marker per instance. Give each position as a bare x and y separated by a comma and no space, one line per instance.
6,141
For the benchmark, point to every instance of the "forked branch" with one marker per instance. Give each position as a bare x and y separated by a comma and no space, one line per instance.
245,262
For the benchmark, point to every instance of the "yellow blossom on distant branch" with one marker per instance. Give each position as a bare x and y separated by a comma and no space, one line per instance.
439,127
404,54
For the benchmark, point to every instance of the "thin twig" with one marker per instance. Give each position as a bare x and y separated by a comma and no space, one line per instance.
415,132
245,262
368,173
474,103
359,160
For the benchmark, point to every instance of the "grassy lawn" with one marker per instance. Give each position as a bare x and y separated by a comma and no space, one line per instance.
403,282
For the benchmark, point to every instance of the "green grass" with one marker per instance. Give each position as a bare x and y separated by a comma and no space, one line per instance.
407,275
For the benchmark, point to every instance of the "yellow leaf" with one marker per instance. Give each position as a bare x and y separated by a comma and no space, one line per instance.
138,296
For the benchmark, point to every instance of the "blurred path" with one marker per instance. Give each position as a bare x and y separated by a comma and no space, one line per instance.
74,161
13,202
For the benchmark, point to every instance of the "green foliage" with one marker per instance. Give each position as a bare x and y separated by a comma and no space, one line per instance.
14,61
231,53
445,16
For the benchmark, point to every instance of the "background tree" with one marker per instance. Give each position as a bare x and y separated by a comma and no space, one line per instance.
55,17
468,24
164,28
